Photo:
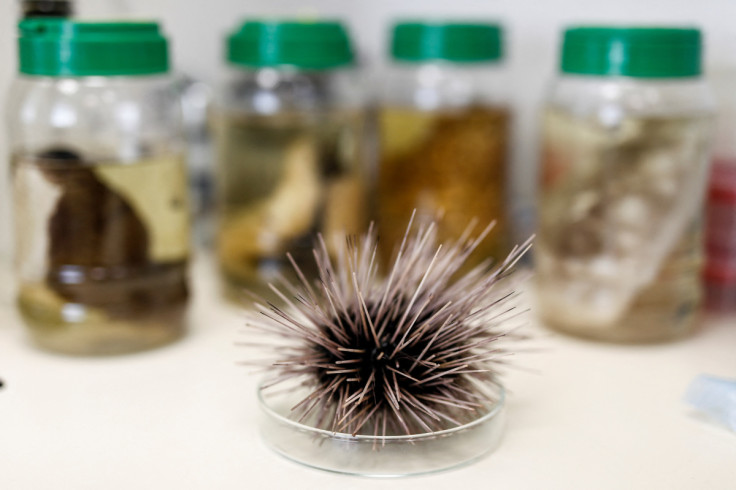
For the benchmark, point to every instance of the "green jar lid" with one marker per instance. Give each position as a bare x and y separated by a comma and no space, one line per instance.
645,52
59,48
418,42
319,45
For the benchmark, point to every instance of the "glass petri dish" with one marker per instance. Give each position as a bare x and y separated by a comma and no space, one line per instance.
376,456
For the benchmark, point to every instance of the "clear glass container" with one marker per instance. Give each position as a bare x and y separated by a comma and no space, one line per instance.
376,456
444,134
624,166
720,217
290,146
100,196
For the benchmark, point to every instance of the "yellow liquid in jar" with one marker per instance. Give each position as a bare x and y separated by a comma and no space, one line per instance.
618,253
449,162
282,180
102,251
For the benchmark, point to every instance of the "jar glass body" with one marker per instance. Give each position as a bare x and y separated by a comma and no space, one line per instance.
720,216
444,138
101,212
291,164
624,165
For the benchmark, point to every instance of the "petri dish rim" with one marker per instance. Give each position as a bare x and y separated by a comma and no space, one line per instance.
497,407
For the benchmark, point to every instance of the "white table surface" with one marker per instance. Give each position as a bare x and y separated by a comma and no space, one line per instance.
595,416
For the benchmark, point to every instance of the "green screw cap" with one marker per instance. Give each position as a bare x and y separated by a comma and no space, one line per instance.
644,52
319,45
417,42
59,48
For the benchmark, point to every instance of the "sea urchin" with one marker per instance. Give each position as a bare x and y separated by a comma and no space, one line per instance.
415,351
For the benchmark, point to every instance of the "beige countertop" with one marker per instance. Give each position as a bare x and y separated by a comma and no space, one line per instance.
185,417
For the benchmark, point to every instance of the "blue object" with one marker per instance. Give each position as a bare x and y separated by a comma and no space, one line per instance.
715,397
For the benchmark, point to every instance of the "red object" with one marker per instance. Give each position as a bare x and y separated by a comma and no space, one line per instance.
720,236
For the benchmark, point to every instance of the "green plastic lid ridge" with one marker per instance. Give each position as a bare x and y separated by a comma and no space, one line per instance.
458,42
643,52
317,45
58,47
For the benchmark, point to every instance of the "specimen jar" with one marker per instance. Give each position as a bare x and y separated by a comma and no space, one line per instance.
626,141
289,128
720,217
444,134
100,188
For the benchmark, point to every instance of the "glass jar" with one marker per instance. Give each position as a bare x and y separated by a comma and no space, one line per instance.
100,188
444,134
627,130
289,131
720,217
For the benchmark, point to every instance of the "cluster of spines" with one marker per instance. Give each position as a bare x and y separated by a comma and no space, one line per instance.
414,351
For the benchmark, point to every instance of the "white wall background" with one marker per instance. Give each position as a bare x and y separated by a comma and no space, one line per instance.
197,28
